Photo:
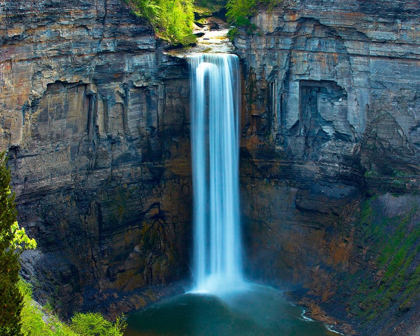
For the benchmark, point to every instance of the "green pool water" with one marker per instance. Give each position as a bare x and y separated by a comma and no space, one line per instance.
258,311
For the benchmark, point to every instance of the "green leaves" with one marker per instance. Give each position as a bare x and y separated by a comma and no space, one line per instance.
172,19
13,240
239,13
37,320
147,9
33,323
21,241
93,324
10,298
180,20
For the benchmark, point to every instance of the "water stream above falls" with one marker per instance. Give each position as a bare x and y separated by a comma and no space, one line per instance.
257,311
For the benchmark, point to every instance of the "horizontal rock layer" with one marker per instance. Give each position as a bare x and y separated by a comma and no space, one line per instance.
331,118
95,118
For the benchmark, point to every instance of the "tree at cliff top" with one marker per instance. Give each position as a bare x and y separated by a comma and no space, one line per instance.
12,242
173,20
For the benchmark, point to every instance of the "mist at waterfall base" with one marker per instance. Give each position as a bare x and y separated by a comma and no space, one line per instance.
258,311
221,302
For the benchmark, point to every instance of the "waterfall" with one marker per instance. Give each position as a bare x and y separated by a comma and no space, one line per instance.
215,102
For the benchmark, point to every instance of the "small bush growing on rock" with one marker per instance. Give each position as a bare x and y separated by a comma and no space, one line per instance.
38,320
35,322
239,13
93,324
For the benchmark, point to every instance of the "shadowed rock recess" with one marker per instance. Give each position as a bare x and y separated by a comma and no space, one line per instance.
96,120
95,117
330,157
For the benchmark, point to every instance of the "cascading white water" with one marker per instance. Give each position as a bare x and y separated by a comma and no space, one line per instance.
215,101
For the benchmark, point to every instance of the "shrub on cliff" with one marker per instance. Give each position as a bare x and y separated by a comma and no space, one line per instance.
173,20
37,320
93,324
12,242
239,13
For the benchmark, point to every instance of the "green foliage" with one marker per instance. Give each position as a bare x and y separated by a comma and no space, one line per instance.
208,7
93,324
173,20
33,323
20,240
13,240
233,33
38,321
239,13
11,300
394,244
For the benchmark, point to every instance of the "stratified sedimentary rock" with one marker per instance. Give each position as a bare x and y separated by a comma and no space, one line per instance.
94,116
331,117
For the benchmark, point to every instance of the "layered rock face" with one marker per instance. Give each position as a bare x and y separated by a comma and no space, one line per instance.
331,118
95,116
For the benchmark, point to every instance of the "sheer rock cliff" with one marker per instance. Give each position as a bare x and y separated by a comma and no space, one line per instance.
95,117
330,137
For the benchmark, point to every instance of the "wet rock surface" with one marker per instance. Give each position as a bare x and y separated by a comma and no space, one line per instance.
95,118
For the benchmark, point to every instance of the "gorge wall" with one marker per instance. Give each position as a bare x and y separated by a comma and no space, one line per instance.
95,118
330,152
